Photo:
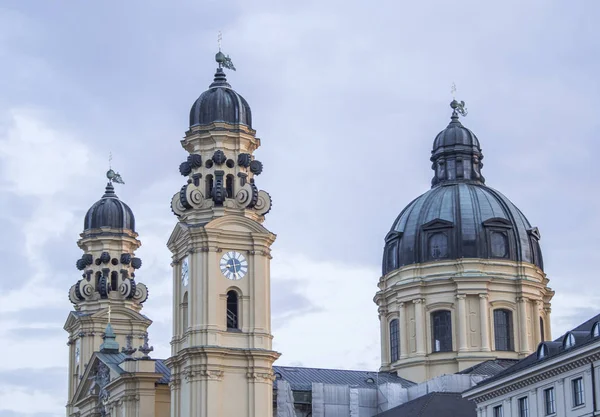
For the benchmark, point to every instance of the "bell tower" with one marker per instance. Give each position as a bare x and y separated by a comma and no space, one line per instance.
221,264
107,291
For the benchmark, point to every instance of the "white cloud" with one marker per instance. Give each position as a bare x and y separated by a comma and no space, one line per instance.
28,402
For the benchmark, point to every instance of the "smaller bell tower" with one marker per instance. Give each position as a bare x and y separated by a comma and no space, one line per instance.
222,355
107,291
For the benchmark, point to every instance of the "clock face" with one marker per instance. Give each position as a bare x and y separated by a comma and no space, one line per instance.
185,271
234,265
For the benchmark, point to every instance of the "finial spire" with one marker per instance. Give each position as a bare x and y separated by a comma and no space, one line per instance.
223,60
457,107
110,344
112,175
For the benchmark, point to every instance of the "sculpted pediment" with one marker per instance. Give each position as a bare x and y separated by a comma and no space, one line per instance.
437,224
236,224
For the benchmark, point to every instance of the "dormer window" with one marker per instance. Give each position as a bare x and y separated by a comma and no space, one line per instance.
569,341
596,329
542,351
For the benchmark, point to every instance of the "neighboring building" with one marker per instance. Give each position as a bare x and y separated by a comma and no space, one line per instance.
562,378
435,404
462,297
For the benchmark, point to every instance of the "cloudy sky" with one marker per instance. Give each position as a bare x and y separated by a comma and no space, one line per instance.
347,97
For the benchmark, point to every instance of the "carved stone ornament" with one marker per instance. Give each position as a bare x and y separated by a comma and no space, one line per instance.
247,196
264,203
125,258
100,379
185,168
140,293
105,257
244,160
136,263
195,160
219,157
256,167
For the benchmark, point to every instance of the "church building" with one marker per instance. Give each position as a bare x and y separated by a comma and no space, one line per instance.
462,295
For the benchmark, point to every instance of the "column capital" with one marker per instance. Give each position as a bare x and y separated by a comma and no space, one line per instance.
484,295
522,299
401,304
461,296
418,301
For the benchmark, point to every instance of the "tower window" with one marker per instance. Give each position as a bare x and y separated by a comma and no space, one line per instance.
542,335
209,181
394,341
503,330
499,244
229,185
438,246
114,280
232,310
441,323
184,313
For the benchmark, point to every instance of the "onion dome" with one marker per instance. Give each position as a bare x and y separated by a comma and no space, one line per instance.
109,211
460,217
220,103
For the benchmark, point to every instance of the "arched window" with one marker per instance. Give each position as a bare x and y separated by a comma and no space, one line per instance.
114,280
438,246
542,335
232,310
441,324
394,341
209,185
503,330
569,341
596,329
184,313
229,185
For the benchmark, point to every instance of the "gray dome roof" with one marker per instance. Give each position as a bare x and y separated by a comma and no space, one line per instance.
109,211
220,103
460,217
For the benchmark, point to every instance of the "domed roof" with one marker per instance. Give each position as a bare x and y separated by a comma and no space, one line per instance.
460,217
220,103
109,211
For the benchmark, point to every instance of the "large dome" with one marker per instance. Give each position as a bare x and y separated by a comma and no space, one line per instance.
220,103
109,211
460,217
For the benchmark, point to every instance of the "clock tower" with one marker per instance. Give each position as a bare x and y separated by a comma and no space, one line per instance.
222,355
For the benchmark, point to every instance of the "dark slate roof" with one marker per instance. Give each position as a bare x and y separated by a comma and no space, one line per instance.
435,404
489,368
466,215
459,217
220,103
113,360
161,368
301,379
109,211
583,337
